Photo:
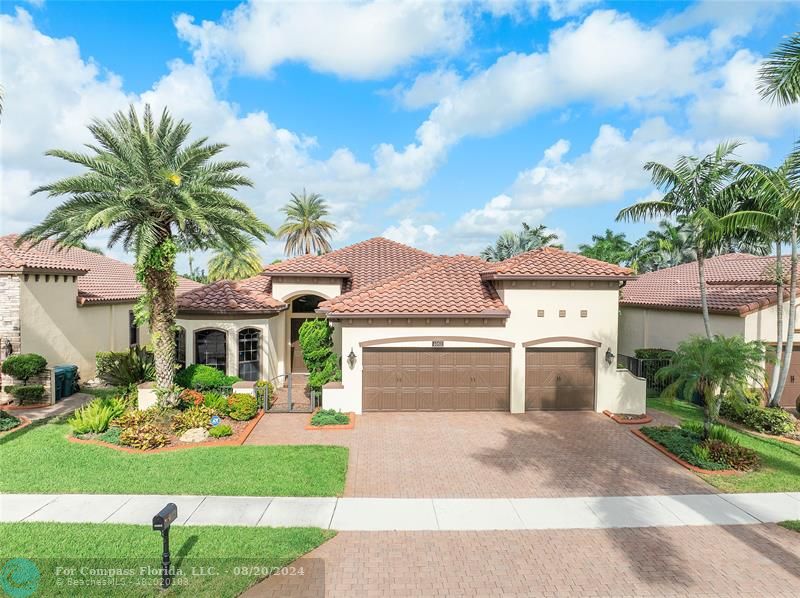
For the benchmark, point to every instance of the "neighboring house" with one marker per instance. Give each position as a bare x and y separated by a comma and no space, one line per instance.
660,309
423,332
67,305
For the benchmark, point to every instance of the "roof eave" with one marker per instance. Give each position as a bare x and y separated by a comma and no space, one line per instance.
477,315
230,312
498,276
307,274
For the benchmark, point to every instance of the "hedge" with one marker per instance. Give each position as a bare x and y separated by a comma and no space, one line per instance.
24,366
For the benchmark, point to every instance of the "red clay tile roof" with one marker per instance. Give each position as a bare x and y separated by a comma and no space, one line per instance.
249,296
550,263
733,286
308,265
742,268
376,259
101,279
444,286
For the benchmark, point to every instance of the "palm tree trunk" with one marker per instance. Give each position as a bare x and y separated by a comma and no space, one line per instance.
774,397
787,354
701,270
160,284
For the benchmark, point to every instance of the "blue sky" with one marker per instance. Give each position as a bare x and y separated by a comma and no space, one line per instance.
436,124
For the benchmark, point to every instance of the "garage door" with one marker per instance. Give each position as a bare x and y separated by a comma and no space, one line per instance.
436,380
559,379
792,389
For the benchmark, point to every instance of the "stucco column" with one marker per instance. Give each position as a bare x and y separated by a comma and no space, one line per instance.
518,378
231,352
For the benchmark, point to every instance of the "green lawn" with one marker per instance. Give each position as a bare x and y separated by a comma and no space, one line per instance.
236,554
780,469
792,525
45,462
102,393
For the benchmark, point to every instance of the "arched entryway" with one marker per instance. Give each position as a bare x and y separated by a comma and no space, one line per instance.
302,308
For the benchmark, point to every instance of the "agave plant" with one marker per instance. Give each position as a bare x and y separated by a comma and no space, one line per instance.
135,367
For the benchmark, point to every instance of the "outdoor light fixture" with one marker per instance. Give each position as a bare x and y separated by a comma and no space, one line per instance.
609,356
161,523
351,359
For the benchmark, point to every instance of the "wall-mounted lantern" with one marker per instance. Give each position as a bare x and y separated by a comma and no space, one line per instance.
351,359
609,356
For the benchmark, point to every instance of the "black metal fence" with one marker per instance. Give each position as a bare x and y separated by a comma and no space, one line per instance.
646,368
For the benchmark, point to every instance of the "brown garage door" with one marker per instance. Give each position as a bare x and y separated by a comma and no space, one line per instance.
792,389
436,380
559,379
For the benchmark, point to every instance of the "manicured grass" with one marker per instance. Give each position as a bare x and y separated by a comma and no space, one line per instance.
233,552
103,393
792,525
780,469
45,462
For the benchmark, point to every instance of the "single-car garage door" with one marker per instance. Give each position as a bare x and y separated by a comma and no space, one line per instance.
559,379
436,379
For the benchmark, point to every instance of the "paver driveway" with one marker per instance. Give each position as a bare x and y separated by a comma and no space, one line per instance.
741,560
490,455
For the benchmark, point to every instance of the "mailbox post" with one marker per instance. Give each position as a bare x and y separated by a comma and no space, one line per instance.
162,522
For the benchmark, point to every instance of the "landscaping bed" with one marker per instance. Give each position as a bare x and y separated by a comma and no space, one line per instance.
330,419
688,448
629,418
240,557
9,422
780,461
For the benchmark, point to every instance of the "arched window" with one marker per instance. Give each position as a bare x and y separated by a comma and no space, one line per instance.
209,348
180,346
249,354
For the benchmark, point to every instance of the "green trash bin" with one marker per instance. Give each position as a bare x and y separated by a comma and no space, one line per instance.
59,375
66,377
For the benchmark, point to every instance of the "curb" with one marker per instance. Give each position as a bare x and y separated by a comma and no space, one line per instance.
680,461
164,449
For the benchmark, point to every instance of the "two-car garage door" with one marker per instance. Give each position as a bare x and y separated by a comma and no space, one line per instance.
436,379
412,379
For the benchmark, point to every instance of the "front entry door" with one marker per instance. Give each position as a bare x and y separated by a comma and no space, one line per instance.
298,365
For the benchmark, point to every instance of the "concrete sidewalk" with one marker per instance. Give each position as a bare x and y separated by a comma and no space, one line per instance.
411,514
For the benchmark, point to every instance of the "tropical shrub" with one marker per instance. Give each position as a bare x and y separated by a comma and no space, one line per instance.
8,421
731,455
316,341
266,385
198,416
135,418
111,435
31,393
127,367
24,366
329,417
198,377
242,406
189,397
216,402
680,442
96,416
717,432
220,431
145,436
653,354
767,420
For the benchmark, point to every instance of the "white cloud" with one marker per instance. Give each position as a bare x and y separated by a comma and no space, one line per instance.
732,106
410,232
560,9
360,40
428,88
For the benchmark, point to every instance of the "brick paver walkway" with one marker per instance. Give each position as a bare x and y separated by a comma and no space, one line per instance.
490,455
758,561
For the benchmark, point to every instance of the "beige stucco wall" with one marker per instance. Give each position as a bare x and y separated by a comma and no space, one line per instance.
524,298
54,326
286,289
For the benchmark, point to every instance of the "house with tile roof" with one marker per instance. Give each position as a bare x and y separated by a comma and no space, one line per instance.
67,304
660,309
423,332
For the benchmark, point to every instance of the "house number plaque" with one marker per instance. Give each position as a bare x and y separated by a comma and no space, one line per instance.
437,343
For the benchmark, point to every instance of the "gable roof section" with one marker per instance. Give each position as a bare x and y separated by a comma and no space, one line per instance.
101,279
248,296
308,265
549,263
737,285
446,286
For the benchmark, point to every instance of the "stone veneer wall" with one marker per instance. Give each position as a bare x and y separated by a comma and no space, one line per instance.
9,312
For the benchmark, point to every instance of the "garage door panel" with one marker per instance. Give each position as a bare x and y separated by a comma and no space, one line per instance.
559,379
436,380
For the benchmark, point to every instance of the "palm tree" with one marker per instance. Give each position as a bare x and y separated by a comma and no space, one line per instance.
155,192
698,189
509,244
712,367
767,197
609,247
779,75
227,264
305,229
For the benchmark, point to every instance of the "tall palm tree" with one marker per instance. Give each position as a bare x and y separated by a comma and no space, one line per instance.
609,247
769,209
155,191
306,231
227,264
509,244
698,189
779,75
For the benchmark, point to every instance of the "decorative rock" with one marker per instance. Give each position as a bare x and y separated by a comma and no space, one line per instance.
195,435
